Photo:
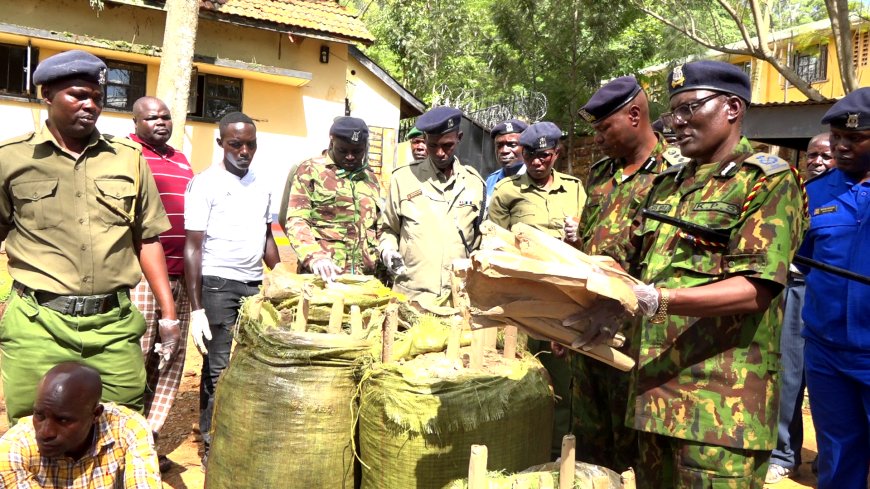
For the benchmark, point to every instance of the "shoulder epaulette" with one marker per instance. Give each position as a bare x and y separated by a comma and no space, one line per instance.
671,170
122,141
567,176
602,160
474,172
17,139
673,156
407,165
769,164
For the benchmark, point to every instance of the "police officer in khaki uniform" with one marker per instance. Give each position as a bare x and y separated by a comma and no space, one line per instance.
432,212
80,213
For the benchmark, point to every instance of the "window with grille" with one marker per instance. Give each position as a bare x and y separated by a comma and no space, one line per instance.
811,64
16,65
860,48
125,83
212,96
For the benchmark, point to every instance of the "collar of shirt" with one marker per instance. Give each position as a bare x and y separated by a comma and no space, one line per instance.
743,146
44,136
516,168
170,151
438,175
558,185
247,179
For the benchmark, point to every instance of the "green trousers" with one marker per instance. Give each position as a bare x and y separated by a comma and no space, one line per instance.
33,339
672,463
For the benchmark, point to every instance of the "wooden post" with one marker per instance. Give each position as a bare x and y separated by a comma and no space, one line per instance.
301,319
458,293
510,342
478,348
477,468
356,322
566,467
491,339
389,331
454,340
336,315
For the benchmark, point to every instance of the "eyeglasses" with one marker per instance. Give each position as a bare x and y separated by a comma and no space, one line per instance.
539,155
824,156
685,112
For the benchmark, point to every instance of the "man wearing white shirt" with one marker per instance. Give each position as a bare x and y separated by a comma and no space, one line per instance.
228,236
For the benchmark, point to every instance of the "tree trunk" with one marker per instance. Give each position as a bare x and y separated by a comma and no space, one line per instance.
838,11
176,64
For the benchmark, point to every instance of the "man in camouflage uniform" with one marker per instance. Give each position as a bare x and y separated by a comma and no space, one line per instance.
704,393
432,213
331,206
617,185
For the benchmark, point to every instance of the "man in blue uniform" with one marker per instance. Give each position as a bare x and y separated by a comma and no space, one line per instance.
837,325
508,152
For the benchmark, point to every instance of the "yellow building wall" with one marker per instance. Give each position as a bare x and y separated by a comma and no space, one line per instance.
292,122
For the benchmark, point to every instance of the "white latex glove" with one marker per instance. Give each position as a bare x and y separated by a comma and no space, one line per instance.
170,335
392,259
199,330
571,228
647,298
604,321
325,268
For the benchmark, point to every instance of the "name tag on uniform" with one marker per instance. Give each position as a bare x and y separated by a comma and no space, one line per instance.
463,203
717,206
413,194
825,210
660,208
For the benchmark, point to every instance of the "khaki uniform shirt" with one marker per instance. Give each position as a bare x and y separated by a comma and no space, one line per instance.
519,199
71,224
426,218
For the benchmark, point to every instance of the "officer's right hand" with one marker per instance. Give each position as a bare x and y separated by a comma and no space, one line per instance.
200,330
325,268
604,320
571,228
393,261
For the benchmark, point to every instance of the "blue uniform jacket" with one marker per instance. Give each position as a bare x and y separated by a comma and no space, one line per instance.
837,310
517,168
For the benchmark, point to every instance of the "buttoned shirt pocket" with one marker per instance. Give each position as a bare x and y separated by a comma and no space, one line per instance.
37,204
115,196
698,258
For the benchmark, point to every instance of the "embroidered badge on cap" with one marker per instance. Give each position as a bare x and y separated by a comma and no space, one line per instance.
677,77
450,122
355,136
542,142
102,77
508,127
852,121
586,116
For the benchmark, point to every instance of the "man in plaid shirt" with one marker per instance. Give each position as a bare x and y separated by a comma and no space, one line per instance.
172,173
74,442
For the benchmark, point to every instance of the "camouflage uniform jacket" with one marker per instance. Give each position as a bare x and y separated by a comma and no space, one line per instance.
430,219
520,199
614,198
714,380
332,213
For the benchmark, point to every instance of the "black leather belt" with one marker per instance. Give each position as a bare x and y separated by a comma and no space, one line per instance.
71,305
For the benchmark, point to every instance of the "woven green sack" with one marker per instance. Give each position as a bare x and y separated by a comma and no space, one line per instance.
418,420
283,407
546,476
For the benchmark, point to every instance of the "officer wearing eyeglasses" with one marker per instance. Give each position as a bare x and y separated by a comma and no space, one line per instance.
705,389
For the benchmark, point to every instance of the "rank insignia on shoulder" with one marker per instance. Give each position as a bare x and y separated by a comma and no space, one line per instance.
825,210
673,156
413,194
769,164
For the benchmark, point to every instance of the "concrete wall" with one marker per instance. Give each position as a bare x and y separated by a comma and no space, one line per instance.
292,121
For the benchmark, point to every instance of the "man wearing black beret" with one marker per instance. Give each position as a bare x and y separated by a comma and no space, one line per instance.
617,184
332,206
837,310
80,214
705,389
506,138
432,213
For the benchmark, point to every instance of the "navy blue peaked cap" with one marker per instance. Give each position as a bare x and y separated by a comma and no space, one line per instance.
440,120
541,135
850,112
70,64
710,75
510,126
351,129
608,99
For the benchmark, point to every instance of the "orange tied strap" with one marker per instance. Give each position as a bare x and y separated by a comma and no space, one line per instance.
700,241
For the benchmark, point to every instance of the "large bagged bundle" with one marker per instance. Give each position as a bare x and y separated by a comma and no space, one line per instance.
546,476
284,411
419,418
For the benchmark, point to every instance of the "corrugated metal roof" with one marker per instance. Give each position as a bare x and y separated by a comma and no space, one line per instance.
795,104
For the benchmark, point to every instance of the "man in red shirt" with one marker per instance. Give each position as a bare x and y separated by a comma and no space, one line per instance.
172,173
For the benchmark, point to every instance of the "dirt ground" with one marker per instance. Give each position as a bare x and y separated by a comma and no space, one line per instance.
180,438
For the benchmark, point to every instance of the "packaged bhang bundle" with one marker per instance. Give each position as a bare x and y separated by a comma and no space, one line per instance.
531,280
288,390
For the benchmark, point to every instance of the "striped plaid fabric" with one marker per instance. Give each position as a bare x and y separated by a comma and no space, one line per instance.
122,456
161,385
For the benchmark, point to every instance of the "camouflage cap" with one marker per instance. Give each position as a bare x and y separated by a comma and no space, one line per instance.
351,129
70,64
851,112
610,98
710,75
